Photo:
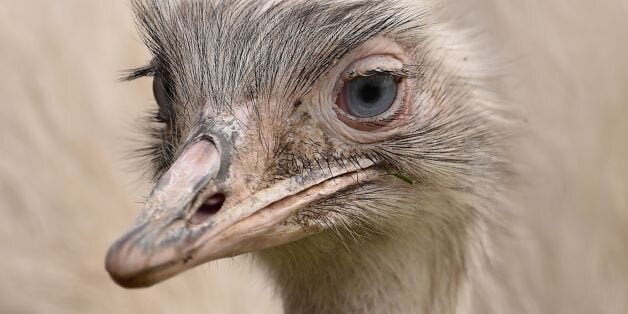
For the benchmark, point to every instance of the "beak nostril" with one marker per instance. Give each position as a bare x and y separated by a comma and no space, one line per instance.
211,206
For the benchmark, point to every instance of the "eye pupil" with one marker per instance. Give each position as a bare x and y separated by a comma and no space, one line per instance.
369,96
370,93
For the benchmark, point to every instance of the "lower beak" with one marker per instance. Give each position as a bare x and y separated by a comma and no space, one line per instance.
188,221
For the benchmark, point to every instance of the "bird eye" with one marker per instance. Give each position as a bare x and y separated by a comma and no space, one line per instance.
162,95
368,97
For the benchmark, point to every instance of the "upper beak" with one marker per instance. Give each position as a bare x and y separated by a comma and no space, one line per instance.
190,217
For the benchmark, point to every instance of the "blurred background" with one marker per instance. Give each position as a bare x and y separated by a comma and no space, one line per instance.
67,188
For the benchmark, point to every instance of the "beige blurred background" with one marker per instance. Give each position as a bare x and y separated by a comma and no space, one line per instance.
67,189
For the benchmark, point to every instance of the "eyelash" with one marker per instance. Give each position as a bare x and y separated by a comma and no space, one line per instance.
137,73
406,71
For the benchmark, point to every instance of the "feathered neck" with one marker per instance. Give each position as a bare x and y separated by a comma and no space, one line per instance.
415,266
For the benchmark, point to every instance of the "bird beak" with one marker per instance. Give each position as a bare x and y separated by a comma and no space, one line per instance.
188,220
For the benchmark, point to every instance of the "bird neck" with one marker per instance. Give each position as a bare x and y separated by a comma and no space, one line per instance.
414,271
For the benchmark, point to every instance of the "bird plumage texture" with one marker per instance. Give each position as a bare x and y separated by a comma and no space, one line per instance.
391,245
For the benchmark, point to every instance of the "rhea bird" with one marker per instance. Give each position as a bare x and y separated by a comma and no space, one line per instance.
352,147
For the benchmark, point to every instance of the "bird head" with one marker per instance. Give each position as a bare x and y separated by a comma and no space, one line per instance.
277,122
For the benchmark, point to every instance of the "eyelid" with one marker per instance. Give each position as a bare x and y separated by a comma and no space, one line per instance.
378,63
407,71
368,66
